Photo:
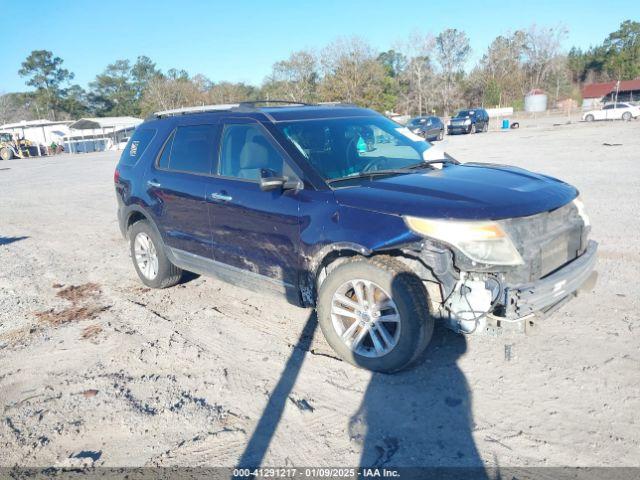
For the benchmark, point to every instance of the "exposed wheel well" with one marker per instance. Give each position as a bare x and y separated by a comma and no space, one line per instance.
336,257
135,217
329,262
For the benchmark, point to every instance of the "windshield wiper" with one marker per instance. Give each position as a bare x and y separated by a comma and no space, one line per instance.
373,173
426,163
394,171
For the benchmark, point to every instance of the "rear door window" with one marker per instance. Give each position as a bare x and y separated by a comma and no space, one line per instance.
137,145
191,149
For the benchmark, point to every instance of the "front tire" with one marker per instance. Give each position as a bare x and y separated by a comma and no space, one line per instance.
6,153
589,118
374,313
149,259
440,135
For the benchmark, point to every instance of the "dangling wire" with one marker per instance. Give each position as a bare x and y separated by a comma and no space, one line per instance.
481,315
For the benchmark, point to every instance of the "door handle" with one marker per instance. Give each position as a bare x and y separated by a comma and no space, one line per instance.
153,184
221,197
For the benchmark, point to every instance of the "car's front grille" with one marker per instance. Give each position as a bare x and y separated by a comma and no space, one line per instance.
559,250
547,240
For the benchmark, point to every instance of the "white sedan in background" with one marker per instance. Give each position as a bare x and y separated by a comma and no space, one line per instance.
613,111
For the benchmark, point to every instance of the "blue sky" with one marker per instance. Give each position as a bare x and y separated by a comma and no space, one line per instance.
240,40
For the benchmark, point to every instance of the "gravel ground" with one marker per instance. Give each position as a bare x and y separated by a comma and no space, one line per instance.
95,369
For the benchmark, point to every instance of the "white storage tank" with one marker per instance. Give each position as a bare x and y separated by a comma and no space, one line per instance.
535,101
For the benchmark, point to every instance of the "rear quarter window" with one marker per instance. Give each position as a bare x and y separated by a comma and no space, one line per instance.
138,143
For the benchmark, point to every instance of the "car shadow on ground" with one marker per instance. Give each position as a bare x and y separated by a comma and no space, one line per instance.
188,277
8,240
420,417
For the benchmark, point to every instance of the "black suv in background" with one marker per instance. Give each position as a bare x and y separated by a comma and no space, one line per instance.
430,128
469,121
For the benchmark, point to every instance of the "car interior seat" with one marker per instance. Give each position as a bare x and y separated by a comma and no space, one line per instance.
256,155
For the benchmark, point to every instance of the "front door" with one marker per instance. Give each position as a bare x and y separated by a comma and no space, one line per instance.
252,230
609,112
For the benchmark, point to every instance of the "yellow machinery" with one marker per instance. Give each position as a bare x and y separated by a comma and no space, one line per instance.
13,148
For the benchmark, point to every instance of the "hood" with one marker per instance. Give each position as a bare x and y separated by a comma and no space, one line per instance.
471,191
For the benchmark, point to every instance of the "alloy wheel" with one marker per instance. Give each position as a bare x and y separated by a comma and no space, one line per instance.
366,318
146,255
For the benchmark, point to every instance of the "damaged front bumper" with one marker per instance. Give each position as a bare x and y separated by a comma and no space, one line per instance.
542,297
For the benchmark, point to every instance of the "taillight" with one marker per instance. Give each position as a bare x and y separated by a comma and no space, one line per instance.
116,176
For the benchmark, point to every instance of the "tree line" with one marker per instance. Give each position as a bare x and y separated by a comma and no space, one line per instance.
425,73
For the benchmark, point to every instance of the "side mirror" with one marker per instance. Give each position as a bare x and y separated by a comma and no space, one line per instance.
283,183
279,183
270,181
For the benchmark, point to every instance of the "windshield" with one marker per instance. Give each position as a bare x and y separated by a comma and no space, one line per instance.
344,147
464,113
417,121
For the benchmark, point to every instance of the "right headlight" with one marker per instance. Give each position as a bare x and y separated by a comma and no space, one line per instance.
481,241
581,211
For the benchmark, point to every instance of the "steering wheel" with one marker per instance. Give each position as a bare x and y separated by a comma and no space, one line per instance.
371,165
352,148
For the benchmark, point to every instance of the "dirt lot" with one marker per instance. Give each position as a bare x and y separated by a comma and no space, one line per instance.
95,369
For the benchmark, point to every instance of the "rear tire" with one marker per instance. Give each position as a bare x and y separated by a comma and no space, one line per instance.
388,290
6,153
149,259
485,127
441,135
626,116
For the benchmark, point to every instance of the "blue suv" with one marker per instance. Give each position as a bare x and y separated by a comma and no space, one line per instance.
341,209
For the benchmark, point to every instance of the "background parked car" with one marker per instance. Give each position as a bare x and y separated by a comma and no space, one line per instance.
469,121
431,128
613,111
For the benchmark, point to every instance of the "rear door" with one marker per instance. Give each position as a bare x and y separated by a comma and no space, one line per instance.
177,184
620,110
483,118
252,230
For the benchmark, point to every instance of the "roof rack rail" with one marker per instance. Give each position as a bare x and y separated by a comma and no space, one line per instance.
277,102
244,106
336,104
196,109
